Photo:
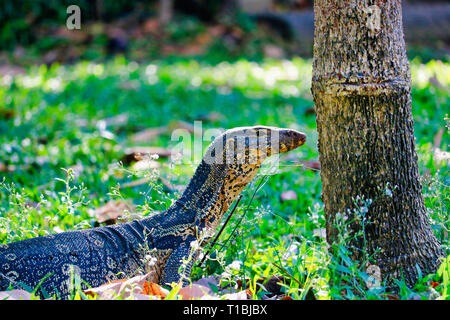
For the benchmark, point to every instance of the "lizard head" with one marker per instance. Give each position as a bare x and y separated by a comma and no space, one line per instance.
237,154
252,145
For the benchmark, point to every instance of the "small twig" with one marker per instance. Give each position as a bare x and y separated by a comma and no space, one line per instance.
287,273
233,233
221,229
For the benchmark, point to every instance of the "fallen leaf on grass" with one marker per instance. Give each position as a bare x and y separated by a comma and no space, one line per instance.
132,288
162,152
314,165
438,138
210,117
179,124
135,183
11,70
321,233
148,134
120,119
273,285
196,291
130,85
441,156
6,168
241,295
15,295
310,111
272,51
166,183
150,26
204,293
216,31
434,284
111,211
186,50
74,36
152,133
172,187
145,165
138,153
7,113
289,195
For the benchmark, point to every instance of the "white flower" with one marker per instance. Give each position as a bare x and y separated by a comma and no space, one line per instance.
150,260
388,192
235,265
195,245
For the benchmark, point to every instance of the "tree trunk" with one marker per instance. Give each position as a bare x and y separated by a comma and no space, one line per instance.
362,91
165,11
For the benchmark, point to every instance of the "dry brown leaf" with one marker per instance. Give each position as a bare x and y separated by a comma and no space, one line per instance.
170,185
7,113
211,116
6,168
162,152
203,39
52,56
273,284
130,85
217,30
438,138
310,111
179,124
132,288
314,165
15,295
11,70
72,35
111,211
145,165
120,119
148,134
272,51
116,32
321,233
289,195
135,183
152,133
139,153
153,289
441,156
195,291
241,295
151,26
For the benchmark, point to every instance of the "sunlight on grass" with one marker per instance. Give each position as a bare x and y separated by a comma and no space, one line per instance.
64,117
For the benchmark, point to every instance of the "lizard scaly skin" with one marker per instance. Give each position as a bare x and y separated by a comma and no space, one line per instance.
101,254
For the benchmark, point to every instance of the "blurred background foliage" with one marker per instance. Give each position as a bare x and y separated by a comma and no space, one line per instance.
35,31
82,110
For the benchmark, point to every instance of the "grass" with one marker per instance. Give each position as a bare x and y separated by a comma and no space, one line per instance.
61,146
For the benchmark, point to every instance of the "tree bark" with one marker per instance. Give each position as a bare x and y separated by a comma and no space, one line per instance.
165,11
362,92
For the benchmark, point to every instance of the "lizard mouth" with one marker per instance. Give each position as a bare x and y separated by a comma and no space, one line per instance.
290,139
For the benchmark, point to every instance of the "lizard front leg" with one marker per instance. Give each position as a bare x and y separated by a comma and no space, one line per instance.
179,264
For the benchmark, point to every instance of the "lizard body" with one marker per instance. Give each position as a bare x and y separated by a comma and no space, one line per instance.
101,254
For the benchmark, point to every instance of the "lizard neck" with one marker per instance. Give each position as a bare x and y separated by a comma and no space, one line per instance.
194,207
210,193
202,192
